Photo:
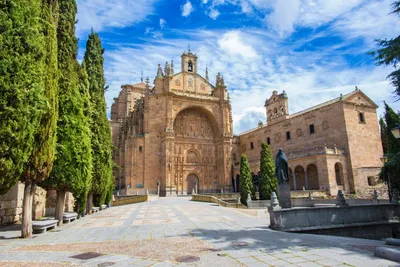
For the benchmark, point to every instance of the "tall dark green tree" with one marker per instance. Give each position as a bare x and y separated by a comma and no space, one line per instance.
40,162
82,193
72,164
390,172
383,129
388,53
101,133
268,181
22,50
246,180
28,101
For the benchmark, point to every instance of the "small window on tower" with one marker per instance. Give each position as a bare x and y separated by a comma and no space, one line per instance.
362,117
288,135
140,149
312,129
268,141
190,66
251,145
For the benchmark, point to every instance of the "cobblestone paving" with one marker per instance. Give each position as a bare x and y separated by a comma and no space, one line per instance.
234,238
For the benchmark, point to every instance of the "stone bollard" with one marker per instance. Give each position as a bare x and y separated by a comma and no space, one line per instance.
222,190
147,191
248,201
395,196
341,200
274,201
238,200
375,197
137,193
193,191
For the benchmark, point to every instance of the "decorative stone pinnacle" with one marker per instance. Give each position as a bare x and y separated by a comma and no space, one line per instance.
159,72
207,74
218,80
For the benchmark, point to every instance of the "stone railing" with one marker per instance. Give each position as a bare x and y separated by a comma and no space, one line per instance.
220,202
314,151
130,200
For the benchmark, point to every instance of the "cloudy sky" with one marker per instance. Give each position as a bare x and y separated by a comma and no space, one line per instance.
313,49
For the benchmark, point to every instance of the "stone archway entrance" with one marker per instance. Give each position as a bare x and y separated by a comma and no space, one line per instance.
190,183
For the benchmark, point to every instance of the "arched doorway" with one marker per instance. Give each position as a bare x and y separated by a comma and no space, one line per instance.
300,177
339,174
191,181
312,177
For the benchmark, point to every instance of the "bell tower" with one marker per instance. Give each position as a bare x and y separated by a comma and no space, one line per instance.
189,62
277,107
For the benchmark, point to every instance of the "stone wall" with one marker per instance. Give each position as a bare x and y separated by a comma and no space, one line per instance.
11,205
39,203
51,203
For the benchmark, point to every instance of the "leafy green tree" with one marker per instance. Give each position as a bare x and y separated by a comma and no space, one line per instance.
388,53
72,165
268,181
390,172
246,181
101,133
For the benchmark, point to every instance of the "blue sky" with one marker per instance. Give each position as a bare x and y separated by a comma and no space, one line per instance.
313,49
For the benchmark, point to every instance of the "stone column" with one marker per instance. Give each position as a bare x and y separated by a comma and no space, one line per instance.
294,181
306,176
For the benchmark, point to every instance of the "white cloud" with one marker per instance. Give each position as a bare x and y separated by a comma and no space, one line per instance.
233,43
214,13
253,71
106,14
163,23
284,15
187,9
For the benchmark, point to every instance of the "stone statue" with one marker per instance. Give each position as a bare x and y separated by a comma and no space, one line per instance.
281,168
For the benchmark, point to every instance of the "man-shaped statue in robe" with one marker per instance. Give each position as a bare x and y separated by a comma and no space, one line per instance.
281,168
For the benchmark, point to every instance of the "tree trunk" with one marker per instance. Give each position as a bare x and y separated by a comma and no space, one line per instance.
29,190
89,203
60,206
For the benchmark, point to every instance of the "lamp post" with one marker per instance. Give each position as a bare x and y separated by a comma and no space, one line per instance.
396,131
384,159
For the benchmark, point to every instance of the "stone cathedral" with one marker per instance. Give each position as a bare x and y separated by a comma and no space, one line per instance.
175,135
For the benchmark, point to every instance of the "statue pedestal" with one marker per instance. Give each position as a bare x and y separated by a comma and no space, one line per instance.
284,196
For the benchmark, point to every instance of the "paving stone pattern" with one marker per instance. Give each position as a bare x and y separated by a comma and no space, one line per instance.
237,238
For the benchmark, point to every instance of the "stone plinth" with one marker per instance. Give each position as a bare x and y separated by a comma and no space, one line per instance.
284,196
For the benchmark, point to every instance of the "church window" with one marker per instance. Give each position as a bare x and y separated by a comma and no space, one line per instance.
312,129
140,149
362,117
190,66
288,135
268,141
251,145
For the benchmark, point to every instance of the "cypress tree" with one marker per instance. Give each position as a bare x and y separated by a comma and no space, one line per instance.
383,129
101,139
21,85
268,181
72,164
246,182
390,172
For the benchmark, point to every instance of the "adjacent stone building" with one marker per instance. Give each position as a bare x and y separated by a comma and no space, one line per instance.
332,146
177,135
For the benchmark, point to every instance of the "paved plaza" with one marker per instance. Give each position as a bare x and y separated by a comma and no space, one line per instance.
179,232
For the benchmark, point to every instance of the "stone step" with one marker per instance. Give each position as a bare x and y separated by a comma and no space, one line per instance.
388,253
393,242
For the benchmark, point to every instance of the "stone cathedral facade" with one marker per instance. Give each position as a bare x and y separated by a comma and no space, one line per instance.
177,134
